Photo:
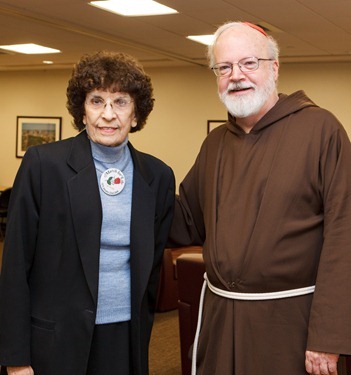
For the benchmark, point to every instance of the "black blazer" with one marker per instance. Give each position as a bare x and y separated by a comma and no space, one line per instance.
49,279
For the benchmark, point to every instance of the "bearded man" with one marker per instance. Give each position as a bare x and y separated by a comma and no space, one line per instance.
269,198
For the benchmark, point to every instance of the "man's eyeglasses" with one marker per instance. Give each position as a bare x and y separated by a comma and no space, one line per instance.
246,65
118,104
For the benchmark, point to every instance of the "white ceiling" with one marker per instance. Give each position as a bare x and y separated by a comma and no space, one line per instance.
307,30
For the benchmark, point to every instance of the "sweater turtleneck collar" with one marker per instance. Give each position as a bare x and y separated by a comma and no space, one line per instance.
106,153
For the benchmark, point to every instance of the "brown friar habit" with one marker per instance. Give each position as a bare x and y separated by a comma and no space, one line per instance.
272,209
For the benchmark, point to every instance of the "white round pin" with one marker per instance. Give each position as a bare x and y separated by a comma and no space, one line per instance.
112,181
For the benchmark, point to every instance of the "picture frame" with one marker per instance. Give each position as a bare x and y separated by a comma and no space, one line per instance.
36,130
211,124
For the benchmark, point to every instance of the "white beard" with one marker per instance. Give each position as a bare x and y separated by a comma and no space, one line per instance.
247,105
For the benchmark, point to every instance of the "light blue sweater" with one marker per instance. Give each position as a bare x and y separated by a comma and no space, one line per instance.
114,269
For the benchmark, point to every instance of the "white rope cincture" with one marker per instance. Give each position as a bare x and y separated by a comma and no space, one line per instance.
239,296
198,326
259,296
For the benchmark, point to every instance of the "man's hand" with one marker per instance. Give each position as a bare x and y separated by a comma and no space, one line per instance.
318,363
25,370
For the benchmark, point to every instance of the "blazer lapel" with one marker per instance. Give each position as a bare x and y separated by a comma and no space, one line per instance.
142,227
86,209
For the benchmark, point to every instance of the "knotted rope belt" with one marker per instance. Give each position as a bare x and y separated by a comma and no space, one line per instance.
239,296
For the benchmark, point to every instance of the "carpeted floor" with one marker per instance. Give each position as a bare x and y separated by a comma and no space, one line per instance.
165,346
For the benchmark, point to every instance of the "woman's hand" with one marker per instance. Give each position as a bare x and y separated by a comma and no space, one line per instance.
24,370
318,363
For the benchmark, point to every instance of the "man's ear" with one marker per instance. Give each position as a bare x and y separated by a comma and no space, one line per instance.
276,69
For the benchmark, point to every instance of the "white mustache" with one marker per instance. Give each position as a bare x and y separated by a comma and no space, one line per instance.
235,86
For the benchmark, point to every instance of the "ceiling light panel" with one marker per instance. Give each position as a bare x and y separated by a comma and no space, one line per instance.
29,49
203,39
133,8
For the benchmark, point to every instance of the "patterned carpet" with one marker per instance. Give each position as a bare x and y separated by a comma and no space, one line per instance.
165,346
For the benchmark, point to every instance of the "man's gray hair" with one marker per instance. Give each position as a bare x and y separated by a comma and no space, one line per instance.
273,47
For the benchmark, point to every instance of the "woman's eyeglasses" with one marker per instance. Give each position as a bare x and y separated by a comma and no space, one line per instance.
118,104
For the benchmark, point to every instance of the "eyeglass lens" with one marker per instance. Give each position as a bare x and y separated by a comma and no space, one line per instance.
97,102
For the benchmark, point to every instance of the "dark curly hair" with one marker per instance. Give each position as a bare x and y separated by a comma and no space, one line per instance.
113,71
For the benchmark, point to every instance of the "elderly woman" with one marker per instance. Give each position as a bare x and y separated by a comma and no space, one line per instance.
89,218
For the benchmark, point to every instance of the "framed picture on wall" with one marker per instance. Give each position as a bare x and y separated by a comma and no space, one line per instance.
32,131
211,124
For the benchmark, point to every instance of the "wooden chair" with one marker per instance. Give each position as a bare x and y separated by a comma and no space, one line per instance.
167,298
190,268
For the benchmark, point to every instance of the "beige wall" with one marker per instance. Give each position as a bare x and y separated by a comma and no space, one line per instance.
185,99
